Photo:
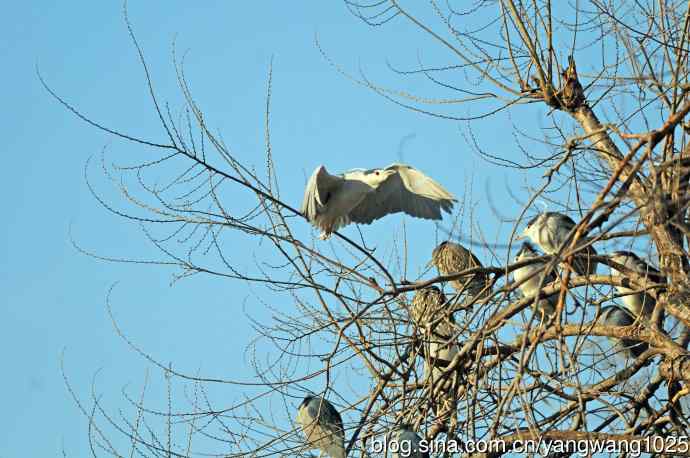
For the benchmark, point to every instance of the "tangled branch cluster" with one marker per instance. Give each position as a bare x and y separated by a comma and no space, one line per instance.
508,348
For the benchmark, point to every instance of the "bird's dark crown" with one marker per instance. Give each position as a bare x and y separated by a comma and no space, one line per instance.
615,314
625,253
307,399
547,215
534,220
526,246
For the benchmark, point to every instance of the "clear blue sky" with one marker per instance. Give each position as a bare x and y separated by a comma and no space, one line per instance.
54,297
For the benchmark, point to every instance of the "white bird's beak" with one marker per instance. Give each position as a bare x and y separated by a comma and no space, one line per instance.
520,237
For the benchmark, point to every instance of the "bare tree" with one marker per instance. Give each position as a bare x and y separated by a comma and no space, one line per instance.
614,153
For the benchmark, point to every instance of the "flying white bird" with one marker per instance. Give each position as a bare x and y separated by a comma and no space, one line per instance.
528,277
450,258
362,196
551,230
618,316
322,426
408,443
639,303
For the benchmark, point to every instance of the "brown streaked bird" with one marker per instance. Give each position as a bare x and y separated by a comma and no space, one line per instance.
322,426
551,231
363,196
450,258
428,306
439,352
439,347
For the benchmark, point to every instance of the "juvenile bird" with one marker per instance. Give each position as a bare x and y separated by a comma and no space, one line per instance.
550,231
362,196
408,443
439,353
528,277
428,307
449,258
322,426
639,303
618,316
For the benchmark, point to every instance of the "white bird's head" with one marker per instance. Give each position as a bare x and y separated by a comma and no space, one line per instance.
375,177
532,229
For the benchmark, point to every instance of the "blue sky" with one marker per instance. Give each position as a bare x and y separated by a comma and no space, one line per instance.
54,297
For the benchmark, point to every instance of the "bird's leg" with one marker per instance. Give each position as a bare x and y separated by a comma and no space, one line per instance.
325,235
685,390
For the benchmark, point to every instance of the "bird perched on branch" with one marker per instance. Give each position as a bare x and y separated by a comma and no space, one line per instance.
618,316
322,426
551,231
429,306
439,352
439,347
408,443
529,278
449,258
639,303
362,196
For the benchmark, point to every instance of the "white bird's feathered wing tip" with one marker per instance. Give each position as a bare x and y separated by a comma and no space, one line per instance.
319,188
407,190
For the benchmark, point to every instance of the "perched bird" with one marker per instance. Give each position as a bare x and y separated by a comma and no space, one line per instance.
639,303
408,443
441,383
362,196
618,316
551,230
428,306
439,352
322,426
528,277
450,258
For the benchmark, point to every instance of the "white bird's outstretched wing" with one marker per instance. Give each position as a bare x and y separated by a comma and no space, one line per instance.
319,189
408,190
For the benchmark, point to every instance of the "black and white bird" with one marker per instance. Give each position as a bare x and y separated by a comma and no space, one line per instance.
362,196
408,443
449,258
322,426
550,231
639,303
614,315
528,278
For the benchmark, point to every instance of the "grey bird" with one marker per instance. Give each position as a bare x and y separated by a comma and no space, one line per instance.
449,258
528,277
322,426
362,196
408,443
618,316
550,231
639,303
428,307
